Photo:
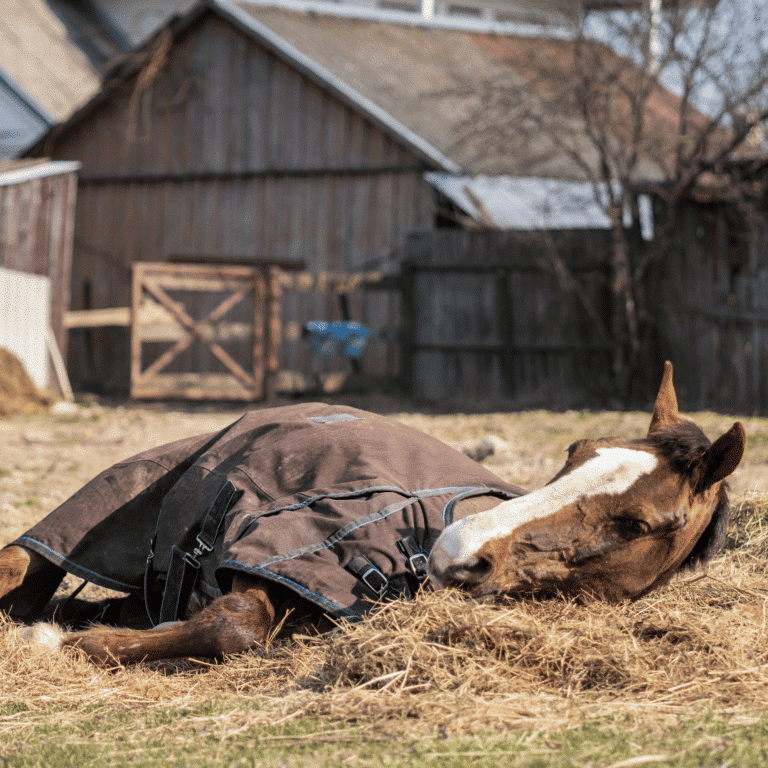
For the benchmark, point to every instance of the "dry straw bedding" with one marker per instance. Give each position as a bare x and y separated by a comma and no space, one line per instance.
446,664
440,663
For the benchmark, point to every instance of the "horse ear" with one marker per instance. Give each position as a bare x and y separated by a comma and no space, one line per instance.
665,412
723,456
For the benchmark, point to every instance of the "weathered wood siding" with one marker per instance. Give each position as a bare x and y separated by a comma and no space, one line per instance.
229,152
713,310
489,322
36,227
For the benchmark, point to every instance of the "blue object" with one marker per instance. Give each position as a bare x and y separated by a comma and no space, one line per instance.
347,339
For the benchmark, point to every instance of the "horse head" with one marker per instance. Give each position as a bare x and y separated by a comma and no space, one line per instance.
617,521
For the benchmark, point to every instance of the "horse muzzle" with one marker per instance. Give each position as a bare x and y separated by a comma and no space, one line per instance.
523,568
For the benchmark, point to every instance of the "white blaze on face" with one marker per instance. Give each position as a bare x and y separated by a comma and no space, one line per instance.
612,471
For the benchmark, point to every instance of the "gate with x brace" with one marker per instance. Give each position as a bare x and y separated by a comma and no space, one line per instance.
204,332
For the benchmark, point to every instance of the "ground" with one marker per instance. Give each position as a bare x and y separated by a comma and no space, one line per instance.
683,671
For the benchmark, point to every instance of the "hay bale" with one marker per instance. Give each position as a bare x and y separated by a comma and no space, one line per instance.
18,393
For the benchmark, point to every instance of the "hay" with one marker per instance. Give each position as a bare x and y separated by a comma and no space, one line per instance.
445,664
18,393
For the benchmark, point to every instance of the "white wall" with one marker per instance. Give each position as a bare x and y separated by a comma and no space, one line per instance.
24,308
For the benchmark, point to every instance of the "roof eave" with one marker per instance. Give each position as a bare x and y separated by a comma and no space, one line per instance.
311,69
430,155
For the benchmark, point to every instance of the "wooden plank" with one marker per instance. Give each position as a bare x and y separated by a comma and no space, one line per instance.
259,350
193,283
135,339
98,318
336,282
225,271
194,386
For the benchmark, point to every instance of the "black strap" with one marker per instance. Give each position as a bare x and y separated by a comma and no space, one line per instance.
369,575
185,566
415,558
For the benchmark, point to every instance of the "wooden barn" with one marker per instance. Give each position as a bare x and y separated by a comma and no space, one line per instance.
221,144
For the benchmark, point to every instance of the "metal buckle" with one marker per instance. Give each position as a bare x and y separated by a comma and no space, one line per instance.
190,559
383,584
418,564
202,545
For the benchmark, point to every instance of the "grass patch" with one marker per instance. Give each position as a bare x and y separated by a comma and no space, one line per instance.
219,734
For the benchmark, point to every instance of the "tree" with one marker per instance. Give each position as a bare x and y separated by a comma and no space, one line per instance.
662,103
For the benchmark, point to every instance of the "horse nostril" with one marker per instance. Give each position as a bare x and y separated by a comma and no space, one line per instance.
470,573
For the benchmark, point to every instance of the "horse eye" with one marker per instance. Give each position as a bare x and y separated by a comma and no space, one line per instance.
631,527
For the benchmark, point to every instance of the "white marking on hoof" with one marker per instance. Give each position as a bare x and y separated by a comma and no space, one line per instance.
43,636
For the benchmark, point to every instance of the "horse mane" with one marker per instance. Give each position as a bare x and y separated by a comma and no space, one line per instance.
682,445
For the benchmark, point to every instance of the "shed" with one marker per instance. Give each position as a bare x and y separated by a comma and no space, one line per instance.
37,209
219,142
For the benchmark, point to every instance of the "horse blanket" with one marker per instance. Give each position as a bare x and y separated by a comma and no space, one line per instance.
336,503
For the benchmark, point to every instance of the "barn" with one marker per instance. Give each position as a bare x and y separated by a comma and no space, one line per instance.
251,169
220,143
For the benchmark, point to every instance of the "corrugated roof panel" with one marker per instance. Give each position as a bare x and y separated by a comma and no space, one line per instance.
532,204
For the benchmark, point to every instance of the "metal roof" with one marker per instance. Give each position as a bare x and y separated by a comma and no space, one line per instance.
21,119
506,202
19,171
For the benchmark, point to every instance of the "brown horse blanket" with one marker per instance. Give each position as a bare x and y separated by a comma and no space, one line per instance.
336,503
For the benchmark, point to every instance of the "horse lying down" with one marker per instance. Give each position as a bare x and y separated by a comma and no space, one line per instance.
317,509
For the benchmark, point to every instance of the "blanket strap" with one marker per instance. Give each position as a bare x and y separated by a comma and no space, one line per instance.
185,566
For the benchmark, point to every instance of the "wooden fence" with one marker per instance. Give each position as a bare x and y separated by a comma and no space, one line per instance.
485,320
215,331
712,310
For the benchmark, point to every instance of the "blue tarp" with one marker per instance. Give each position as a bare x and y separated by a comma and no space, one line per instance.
348,339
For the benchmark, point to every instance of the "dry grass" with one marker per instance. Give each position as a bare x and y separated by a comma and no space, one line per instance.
439,664
445,664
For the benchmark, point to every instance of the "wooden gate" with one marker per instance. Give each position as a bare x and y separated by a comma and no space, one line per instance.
204,332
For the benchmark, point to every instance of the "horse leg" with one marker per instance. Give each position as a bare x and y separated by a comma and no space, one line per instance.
233,623
27,581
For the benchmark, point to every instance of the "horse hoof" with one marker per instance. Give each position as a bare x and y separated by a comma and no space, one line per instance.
43,636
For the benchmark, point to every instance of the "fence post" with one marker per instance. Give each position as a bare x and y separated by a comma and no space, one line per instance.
407,329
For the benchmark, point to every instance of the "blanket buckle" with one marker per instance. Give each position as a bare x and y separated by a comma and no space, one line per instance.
369,574
415,559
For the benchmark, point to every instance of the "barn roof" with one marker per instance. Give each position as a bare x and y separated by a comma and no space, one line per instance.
440,89
126,67
53,50
450,84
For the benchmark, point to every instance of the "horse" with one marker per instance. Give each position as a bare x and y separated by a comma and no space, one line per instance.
617,521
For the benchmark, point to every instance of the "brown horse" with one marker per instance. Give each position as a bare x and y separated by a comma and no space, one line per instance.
617,521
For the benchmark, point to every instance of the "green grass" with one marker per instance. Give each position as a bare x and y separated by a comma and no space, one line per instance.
211,735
